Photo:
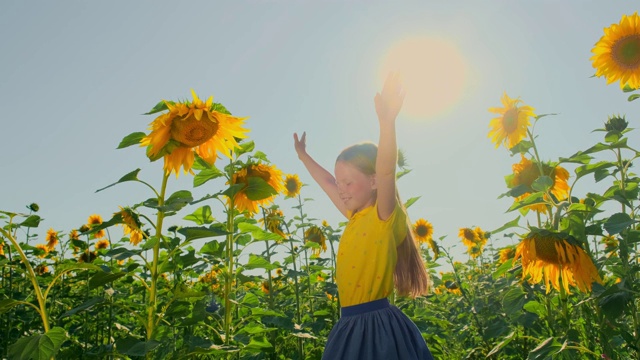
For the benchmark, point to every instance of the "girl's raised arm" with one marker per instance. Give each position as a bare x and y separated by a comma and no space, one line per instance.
323,177
388,104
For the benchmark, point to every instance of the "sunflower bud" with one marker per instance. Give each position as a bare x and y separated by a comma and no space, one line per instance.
616,123
34,207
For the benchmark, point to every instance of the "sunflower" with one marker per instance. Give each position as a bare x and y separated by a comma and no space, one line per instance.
559,258
44,248
1,248
452,287
192,127
52,239
242,199
482,236
511,126
292,185
273,220
41,269
434,247
506,254
526,172
315,234
102,244
474,251
95,220
265,287
131,224
423,230
74,235
87,256
468,236
617,53
611,244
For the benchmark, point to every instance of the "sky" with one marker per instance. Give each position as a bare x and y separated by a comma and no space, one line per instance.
77,76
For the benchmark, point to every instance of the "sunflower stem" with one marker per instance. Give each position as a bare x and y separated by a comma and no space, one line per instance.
297,287
229,278
151,308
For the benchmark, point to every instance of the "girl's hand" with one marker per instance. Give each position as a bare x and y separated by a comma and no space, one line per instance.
300,144
389,102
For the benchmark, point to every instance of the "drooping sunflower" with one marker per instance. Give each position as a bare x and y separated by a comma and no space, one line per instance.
526,172
273,221
131,225
617,53
558,258
315,234
93,221
74,235
87,256
423,230
511,126
192,127
245,197
265,287
506,253
292,185
434,247
52,239
468,236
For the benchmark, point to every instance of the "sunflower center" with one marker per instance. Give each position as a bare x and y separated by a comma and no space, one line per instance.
626,52
422,231
510,120
546,250
291,185
192,132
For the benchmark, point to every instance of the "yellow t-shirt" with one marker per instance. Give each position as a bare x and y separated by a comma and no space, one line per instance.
367,255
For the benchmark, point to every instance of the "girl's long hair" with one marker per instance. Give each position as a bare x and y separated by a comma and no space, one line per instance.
410,275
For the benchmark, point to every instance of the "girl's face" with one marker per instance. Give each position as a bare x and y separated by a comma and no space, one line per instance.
356,189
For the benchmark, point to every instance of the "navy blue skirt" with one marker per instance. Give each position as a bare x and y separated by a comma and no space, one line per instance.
375,330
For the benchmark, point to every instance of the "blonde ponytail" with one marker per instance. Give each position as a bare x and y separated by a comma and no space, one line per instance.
410,276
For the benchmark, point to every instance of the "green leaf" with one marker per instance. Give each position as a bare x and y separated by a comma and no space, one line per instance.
201,216
513,300
102,278
132,176
7,304
213,248
205,175
402,173
510,224
521,147
543,183
502,269
177,200
535,308
590,168
32,221
535,198
628,88
86,305
245,147
77,266
538,117
633,97
502,343
257,232
578,158
614,301
161,106
617,223
258,189
411,201
134,347
131,139
193,233
38,346
544,349
259,262
516,191
259,344
219,108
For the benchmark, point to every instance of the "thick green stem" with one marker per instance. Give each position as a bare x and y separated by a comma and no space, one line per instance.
32,276
229,278
153,289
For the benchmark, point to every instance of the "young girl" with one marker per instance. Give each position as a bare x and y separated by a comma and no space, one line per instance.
376,248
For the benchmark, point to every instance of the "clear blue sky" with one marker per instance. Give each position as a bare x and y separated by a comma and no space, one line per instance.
75,77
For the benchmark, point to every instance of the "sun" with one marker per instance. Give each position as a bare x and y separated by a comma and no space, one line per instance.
433,72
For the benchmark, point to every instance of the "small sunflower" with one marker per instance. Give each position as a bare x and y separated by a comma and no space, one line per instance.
423,230
93,221
617,53
482,236
434,247
273,220
292,185
474,251
87,256
102,244
52,239
315,234
131,224
44,248
74,235
265,287
558,258
189,128
526,172
468,236
41,269
1,248
511,126
506,254
243,198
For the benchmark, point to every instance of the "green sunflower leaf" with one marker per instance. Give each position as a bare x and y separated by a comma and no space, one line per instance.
521,147
205,175
132,176
131,139
193,233
31,221
245,147
535,198
38,346
411,201
578,157
510,224
257,232
8,304
259,262
258,189
591,168
618,222
86,305
633,97
543,183
161,106
201,215
513,300
219,108
544,349
628,88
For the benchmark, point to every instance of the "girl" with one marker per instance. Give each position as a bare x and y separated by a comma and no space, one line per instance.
376,248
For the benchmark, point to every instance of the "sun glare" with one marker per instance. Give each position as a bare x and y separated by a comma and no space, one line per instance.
433,73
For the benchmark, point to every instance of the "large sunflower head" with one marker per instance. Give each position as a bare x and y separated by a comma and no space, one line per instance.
292,185
315,234
616,56
252,192
557,257
423,230
511,126
526,172
273,219
192,127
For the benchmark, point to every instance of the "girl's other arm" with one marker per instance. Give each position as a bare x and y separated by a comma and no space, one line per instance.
323,177
388,104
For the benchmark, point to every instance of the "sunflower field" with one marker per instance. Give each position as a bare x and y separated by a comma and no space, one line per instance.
174,285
